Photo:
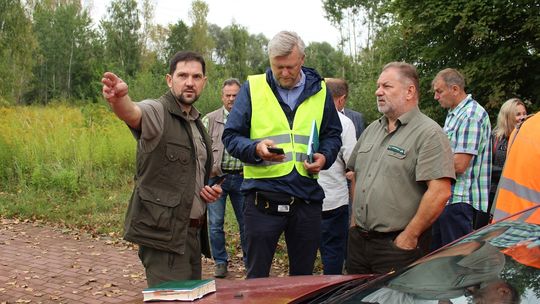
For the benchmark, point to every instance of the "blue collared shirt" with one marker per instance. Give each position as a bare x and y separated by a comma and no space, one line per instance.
290,96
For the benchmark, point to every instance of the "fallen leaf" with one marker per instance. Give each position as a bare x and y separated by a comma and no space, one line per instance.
108,285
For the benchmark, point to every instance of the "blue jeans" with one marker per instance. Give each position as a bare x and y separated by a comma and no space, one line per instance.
335,228
216,217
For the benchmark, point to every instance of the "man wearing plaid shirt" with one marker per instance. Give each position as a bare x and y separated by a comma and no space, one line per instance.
468,128
232,167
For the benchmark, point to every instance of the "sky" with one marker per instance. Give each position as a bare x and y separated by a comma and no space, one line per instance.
305,17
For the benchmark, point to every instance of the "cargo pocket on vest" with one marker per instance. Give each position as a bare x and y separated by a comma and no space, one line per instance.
156,217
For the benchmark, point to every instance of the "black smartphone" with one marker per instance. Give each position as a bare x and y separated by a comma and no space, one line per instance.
218,180
276,150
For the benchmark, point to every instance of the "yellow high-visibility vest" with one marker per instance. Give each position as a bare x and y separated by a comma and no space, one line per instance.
268,121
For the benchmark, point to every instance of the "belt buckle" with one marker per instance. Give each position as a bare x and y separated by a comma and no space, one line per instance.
364,233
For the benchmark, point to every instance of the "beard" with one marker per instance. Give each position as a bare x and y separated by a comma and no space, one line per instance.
186,100
382,108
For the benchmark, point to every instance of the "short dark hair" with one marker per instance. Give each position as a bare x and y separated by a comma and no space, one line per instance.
337,86
186,56
231,81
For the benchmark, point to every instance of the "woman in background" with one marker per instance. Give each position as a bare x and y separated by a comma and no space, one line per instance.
512,113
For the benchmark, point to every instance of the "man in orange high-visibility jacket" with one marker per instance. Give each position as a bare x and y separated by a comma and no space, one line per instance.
519,187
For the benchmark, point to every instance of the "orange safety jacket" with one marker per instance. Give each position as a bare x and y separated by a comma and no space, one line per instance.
525,253
519,186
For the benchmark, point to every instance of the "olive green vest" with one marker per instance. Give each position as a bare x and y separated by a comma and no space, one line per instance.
269,121
158,213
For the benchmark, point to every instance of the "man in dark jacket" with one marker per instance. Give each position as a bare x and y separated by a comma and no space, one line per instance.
174,157
285,108
357,119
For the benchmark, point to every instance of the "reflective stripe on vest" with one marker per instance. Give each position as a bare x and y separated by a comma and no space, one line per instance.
268,121
513,197
519,186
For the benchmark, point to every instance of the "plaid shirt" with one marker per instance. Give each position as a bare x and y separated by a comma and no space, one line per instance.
516,232
469,131
228,162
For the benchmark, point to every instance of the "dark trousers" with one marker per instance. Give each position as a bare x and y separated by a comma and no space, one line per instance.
161,266
454,222
377,254
302,235
335,226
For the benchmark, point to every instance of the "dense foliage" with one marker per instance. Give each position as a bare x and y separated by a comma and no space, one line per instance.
495,43
52,50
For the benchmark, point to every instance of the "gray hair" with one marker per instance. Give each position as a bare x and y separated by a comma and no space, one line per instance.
450,77
231,81
283,43
406,71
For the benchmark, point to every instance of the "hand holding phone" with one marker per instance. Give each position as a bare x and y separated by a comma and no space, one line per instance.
276,150
218,180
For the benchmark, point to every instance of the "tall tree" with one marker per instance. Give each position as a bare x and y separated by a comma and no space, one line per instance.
178,39
324,58
257,53
494,43
199,38
65,55
236,53
159,39
147,14
121,28
357,21
17,45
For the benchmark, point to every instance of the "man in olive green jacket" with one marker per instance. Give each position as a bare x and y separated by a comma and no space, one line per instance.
167,212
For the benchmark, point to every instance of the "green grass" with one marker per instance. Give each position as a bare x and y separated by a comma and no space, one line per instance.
66,165
74,166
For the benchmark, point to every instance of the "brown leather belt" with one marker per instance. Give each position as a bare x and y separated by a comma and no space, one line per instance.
196,223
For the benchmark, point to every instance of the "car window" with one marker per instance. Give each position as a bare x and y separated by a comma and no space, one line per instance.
497,264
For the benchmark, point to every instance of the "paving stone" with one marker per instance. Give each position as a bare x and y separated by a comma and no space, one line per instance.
45,264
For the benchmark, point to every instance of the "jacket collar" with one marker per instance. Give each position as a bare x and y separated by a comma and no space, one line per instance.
172,105
311,87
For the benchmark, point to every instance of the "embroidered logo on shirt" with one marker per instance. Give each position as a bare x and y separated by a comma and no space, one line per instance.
396,149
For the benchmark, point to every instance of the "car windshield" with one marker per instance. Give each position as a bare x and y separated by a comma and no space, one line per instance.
497,264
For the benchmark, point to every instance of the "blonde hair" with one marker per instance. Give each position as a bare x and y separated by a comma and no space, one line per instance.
506,120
